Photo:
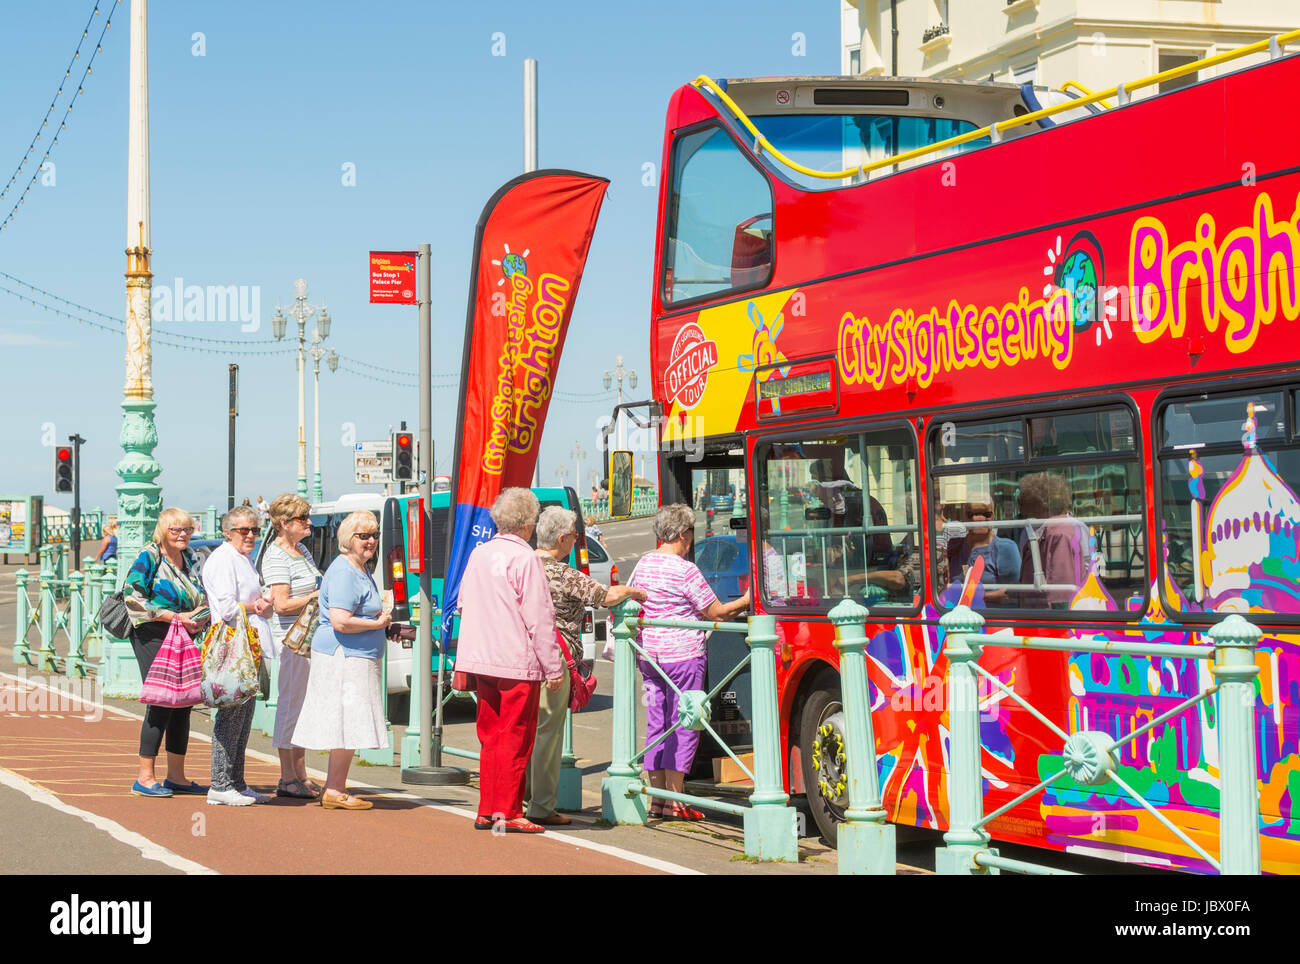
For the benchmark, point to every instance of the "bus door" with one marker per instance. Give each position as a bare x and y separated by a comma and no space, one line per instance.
716,489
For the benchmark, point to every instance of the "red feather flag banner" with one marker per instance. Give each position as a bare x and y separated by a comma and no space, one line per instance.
530,249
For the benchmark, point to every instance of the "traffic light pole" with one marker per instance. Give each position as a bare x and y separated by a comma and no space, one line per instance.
430,772
74,536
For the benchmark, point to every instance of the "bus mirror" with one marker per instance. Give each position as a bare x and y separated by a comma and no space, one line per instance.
739,522
620,484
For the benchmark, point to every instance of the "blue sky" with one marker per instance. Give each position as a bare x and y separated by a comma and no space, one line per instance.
249,143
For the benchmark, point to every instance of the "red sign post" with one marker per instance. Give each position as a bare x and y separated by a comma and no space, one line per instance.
392,278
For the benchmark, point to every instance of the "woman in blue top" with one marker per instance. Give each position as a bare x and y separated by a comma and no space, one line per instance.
1001,555
342,711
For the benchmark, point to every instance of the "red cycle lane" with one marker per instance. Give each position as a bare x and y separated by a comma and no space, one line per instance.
89,763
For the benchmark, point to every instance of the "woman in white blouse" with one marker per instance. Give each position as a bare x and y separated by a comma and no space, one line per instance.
229,579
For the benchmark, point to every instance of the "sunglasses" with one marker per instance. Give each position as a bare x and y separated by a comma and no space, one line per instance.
366,535
247,530
181,530
306,519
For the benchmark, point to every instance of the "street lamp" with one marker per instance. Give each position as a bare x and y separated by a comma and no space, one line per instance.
300,311
619,373
317,351
578,454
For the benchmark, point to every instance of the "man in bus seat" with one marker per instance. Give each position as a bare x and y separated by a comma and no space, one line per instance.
1062,543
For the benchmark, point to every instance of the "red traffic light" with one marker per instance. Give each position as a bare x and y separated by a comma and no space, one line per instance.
403,440
65,453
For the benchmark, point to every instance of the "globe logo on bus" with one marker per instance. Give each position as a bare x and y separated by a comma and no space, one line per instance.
1078,275
689,362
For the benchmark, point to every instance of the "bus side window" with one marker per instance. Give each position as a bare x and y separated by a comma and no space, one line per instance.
837,517
1049,506
1227,465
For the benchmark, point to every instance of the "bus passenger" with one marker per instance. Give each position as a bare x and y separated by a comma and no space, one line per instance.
1061,541
675,589
1001,555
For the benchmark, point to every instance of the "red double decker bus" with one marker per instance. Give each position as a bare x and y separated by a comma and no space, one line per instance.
1057,335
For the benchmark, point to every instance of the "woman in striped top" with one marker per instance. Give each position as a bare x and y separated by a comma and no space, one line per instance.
675,589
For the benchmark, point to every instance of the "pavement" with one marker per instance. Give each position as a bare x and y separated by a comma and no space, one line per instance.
65,807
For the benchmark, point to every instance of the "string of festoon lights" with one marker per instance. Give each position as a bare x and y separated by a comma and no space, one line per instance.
32,148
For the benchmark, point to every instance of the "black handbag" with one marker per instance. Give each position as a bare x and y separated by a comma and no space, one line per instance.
114,616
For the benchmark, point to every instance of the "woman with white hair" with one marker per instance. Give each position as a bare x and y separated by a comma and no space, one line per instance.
507,643
231,582
162,586
571,593
675,589
342,711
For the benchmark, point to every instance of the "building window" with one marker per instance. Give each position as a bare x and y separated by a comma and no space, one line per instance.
1169,61
855,61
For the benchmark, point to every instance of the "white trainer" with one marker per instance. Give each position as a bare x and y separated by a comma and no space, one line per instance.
231,798
254,795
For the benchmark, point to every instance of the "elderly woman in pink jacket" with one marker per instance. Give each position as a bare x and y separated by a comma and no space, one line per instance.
507,644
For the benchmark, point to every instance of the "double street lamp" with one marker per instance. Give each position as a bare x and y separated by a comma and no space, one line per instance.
619,373
301,312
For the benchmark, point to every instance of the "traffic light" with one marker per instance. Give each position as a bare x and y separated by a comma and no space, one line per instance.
63,468
403,457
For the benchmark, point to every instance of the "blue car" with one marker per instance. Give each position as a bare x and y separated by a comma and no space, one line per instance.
724,561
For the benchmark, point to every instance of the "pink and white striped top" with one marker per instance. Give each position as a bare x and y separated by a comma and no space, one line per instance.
675,589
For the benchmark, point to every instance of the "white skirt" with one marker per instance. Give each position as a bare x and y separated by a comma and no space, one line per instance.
293,676
342,709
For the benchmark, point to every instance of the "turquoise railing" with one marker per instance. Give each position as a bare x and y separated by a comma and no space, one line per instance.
770,823
1089,756
644,503
77,620
59,529
866,842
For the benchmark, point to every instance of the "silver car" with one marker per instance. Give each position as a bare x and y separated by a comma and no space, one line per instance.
605,572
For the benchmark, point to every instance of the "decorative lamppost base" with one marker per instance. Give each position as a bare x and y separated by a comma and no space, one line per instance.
435,776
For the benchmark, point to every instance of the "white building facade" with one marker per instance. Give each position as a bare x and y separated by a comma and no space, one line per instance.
1095,43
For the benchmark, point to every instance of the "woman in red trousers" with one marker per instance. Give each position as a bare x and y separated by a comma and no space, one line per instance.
507,643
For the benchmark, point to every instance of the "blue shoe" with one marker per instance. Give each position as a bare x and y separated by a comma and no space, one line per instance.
157,790
192,787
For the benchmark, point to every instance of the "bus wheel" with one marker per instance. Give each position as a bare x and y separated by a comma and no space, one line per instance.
825,771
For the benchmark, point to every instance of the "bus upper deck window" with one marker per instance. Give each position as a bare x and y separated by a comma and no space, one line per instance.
719,215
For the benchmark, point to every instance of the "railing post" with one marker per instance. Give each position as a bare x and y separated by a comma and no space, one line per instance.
569,794
1235,640
46,603
119,672
61,567
965,783
94,598
615,804
771,824
23,607
76,629
867,842
210,523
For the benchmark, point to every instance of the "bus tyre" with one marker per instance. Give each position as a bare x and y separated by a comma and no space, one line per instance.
825,772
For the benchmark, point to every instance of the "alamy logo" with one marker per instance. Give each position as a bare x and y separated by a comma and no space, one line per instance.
75,917
207,303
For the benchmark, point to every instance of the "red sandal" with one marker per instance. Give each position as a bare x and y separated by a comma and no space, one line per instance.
679,811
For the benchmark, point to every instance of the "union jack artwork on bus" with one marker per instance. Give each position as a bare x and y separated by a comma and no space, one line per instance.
1085,389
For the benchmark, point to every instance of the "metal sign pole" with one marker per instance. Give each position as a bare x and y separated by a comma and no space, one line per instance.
430,772
74,534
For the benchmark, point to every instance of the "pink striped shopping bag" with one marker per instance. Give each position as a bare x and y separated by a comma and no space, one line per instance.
176,673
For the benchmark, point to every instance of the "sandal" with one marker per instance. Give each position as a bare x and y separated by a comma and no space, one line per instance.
656,809
294,788
680,811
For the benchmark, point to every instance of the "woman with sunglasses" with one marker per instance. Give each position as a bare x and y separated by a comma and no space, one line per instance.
163,585
231,581
342,711
293,581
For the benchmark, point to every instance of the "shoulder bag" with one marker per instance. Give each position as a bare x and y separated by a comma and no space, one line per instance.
580,687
